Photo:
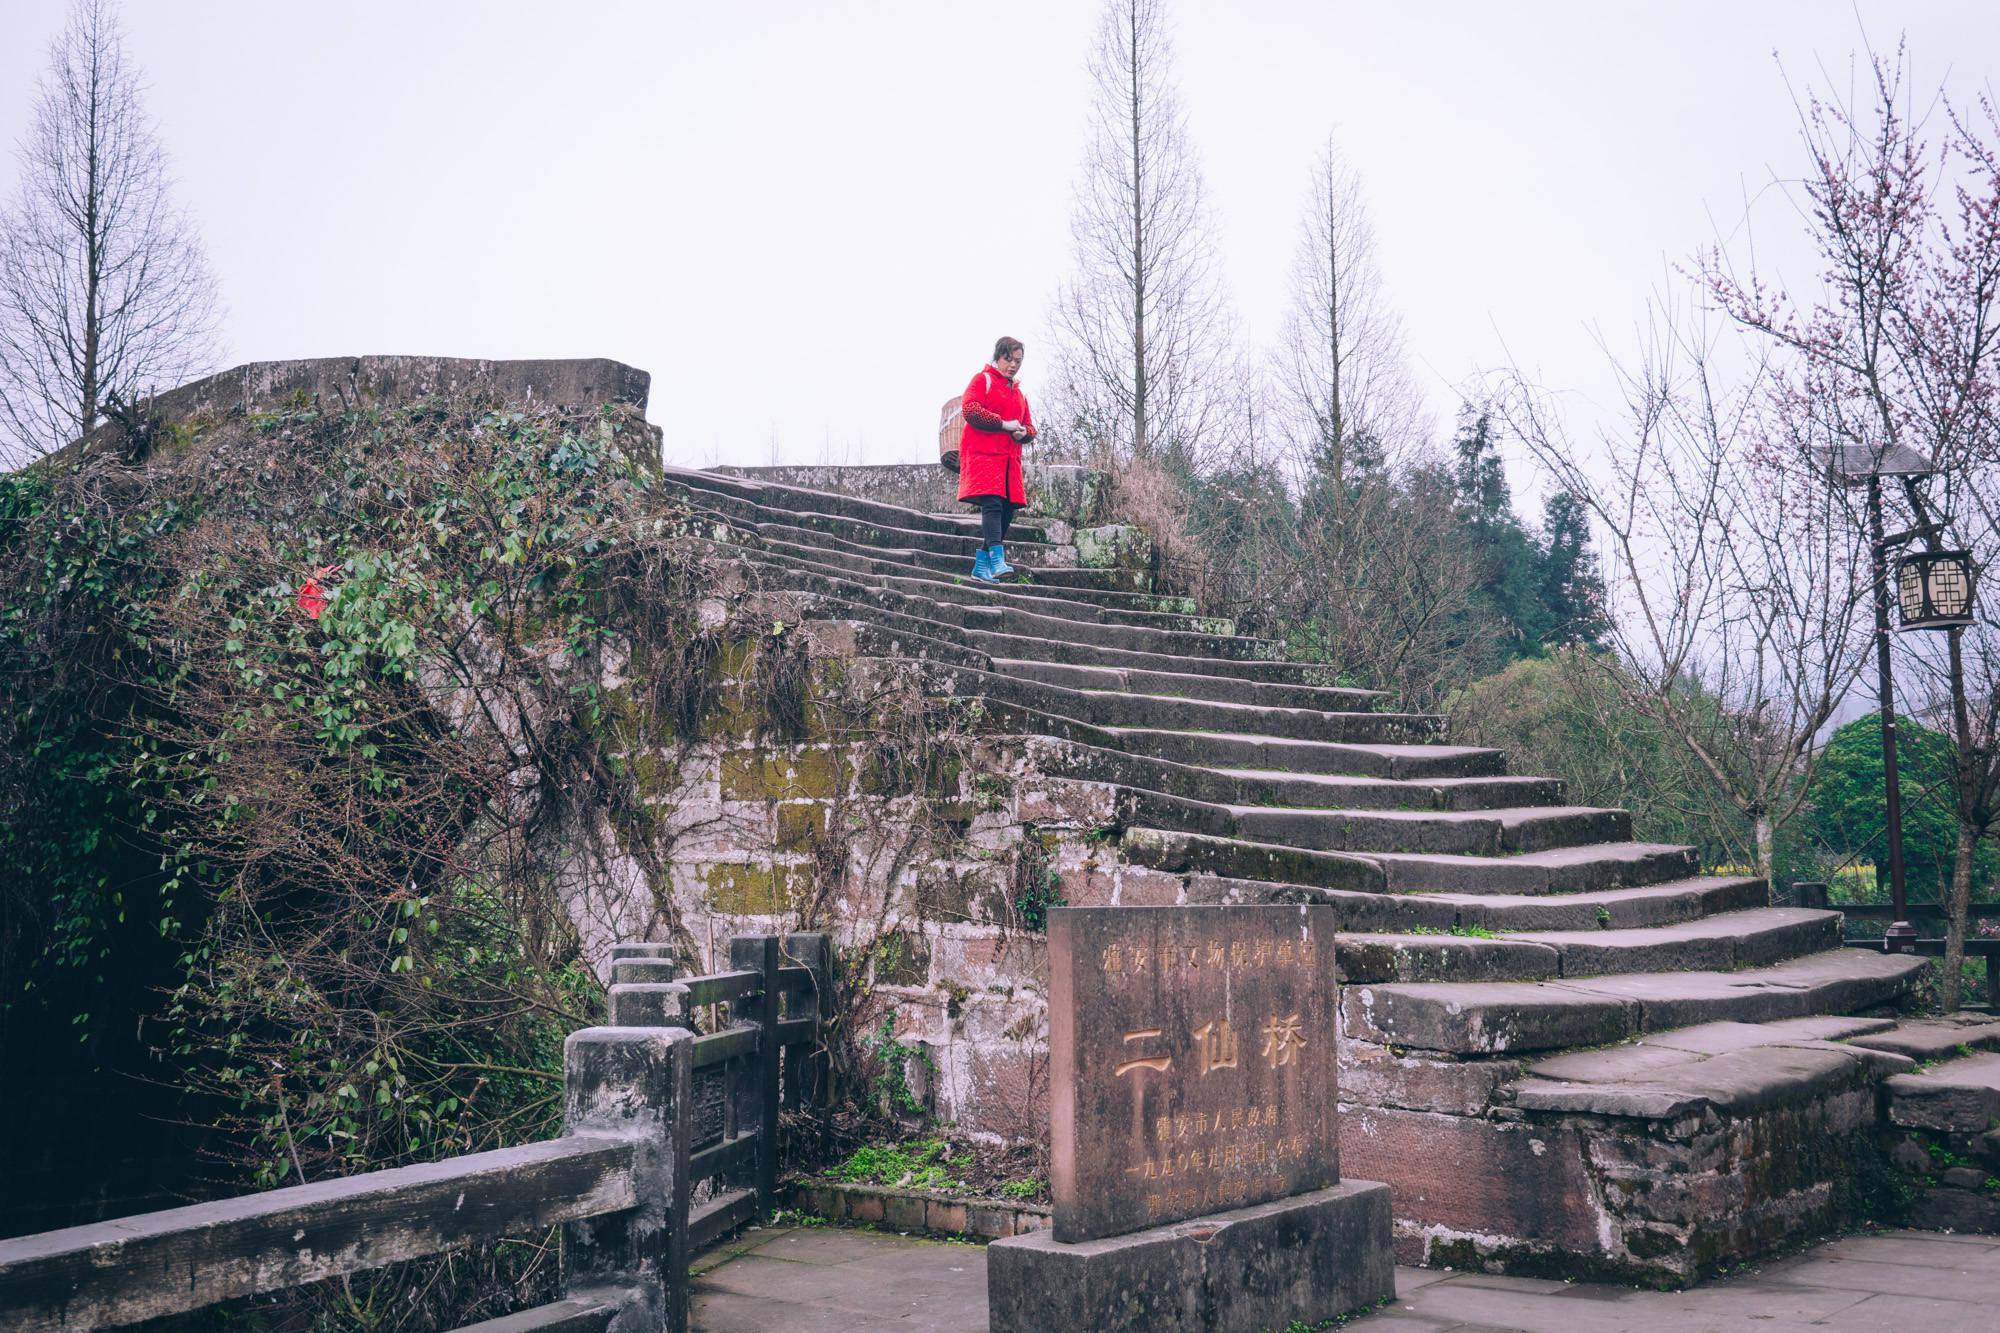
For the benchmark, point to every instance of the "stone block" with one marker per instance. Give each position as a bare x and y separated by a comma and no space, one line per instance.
812,773
1114,546
1140,887
1373,1075
1088,886
749,888
1303,1260
905,1212
1967,1211
1514,1182
946,1216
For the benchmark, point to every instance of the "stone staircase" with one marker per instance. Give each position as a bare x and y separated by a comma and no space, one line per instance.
1566,1050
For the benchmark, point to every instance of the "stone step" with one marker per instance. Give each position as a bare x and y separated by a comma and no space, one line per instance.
796,499
1110,711
1363,957
1263,786
1086,606
1192,685
1490,1018
1277,867
1755,938
1010,622
1088,652
1414,761
851,551
840,532
1724,1069
1958,1096
1484,833
1620,909
1612,865
1603,909
1931,1039
939,552
1080,759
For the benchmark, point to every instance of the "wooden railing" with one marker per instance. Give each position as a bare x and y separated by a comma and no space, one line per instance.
670,1141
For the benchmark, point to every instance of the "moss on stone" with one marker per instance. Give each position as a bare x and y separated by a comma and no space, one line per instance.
749,889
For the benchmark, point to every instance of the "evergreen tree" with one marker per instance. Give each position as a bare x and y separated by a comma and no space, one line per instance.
1513,582
1572,588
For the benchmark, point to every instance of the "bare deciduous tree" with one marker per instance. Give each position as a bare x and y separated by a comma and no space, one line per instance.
1341,362
1742,575
104,289
1143,323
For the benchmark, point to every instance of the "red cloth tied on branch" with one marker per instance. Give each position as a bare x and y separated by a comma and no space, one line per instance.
312,594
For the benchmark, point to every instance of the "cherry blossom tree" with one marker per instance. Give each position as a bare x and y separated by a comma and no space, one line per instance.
1894,345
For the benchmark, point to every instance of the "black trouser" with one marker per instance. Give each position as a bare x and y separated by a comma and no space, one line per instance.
996,515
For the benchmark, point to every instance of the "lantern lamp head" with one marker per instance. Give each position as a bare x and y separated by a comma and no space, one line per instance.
1934,590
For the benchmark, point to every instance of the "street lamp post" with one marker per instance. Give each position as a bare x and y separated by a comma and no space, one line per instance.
1901,936
1868,464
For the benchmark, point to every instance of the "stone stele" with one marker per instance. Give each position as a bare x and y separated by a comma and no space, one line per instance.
1193,1055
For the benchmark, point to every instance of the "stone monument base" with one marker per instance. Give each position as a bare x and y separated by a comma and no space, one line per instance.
1309,1257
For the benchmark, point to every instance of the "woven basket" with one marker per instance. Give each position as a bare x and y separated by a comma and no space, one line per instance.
951,429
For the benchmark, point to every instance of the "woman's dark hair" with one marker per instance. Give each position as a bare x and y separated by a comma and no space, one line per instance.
1006,346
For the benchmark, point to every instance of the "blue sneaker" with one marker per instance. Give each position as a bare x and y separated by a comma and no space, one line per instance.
998,563
982,565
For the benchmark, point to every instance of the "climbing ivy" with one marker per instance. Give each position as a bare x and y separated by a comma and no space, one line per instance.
320,853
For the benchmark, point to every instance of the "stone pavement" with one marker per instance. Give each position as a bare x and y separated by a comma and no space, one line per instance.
829,1280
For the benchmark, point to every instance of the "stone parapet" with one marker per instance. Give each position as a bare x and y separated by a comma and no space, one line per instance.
344,383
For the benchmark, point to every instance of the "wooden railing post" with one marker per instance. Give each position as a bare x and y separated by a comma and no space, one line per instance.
1809,893
634,1083
807,1069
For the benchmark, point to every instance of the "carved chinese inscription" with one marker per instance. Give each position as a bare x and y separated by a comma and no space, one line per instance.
1193,1053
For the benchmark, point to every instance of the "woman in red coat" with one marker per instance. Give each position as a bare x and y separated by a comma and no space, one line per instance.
997,424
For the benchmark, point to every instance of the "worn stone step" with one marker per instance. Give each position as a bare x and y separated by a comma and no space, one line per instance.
832,504
1111,710
1084,605
1089,652
860,536
1754,938
1403,761
1488,1018
1180,852
1484,833
1080,758
744,524
1560,870
1722,1069
1193,685
1930,1039
1959,1096
1365,831
859,600
1275,787
1603,909
1364,957
1658,905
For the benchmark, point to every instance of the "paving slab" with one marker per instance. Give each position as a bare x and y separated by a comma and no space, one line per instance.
866,1282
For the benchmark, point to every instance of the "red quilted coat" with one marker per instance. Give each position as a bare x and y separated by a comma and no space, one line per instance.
989,460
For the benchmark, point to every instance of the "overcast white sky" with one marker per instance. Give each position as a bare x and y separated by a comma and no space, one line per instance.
809,221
